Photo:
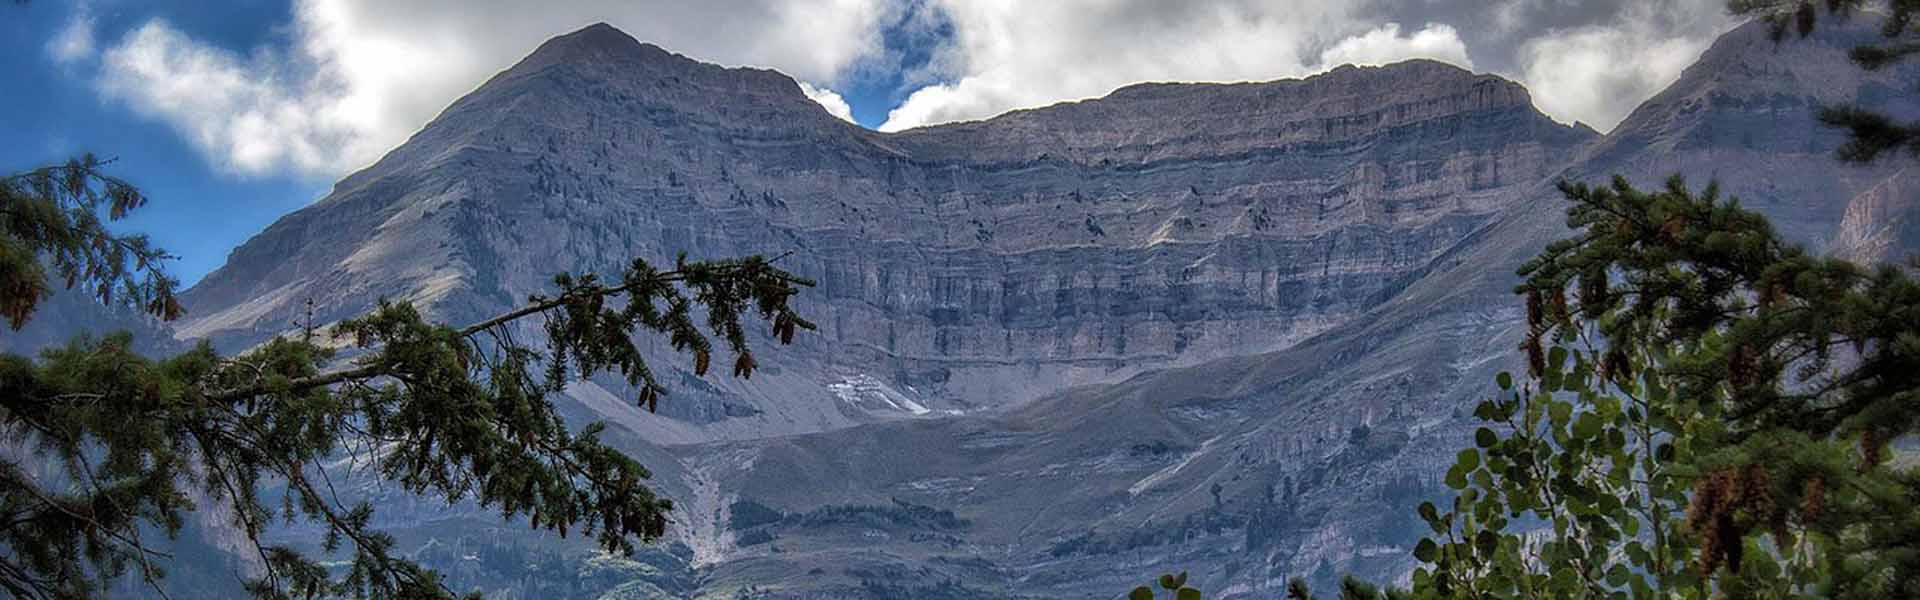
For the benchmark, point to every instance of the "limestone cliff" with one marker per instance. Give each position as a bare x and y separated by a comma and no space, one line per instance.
961,267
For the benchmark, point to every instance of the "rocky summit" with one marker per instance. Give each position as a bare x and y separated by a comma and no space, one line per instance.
1213,327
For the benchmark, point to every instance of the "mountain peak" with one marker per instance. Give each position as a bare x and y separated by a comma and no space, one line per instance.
599,41
598,29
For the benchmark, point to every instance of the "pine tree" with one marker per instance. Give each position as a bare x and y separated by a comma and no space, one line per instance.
1804,368
120,446
51,230
1708,411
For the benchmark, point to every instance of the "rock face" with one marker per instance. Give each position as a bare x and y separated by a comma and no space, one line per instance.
1230,329
1305,461
1744,116
961,267
1883,222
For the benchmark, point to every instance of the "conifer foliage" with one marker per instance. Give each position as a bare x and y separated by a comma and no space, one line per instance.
114,450
1710,415
1708,411
1801,370
51,231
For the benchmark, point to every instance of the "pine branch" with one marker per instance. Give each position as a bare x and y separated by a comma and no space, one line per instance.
376,369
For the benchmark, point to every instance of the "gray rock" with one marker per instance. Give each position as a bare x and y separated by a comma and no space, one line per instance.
962,268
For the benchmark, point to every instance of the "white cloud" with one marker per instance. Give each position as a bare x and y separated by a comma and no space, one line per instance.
829,100
362,75
74,41
1023,54
1598,73
217,100
1510,15
1384,45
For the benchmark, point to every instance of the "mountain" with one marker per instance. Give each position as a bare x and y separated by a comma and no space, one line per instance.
1318,450
70,312
1224,328
961,268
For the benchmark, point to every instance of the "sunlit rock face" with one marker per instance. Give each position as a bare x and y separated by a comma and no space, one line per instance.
960,267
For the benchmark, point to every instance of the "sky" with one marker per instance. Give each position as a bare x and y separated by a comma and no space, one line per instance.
232,113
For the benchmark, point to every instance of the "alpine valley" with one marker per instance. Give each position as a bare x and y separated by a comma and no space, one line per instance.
1233,329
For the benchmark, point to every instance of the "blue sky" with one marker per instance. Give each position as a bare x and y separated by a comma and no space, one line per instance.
231,114
53,113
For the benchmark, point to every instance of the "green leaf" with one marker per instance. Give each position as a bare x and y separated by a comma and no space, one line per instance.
1456,478
1425,550
1167,581
1505,380
1587,426
1638,553
1141,593
1559,412
1617,576
1485,438
1468,460
1187,593
1428,512
1486,542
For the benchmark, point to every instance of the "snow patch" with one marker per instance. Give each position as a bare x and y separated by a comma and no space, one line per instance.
866,392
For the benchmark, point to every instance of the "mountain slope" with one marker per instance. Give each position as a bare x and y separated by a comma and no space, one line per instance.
962,267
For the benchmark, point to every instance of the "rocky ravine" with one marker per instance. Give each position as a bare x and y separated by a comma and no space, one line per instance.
1212,327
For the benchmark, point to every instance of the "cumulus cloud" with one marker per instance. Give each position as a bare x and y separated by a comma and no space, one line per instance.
1013,55
230,108
74,41
828,99
1510,15
1384,45
359,76
1598,73
362,75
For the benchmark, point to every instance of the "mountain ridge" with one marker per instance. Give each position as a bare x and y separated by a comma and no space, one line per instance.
1074,247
